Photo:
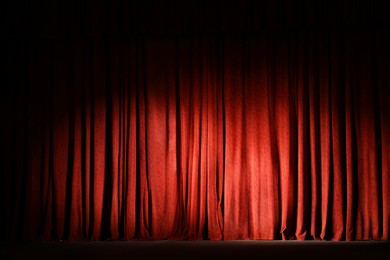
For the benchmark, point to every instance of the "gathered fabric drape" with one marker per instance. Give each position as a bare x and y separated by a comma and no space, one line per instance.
273,135
183,119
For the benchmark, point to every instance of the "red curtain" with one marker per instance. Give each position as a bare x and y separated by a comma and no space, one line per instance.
229,125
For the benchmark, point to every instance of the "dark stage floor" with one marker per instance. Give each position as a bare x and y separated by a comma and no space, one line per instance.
197,250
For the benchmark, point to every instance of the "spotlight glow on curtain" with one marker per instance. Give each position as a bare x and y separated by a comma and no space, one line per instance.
277,135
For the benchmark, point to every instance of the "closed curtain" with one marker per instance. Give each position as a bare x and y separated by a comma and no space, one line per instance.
277,134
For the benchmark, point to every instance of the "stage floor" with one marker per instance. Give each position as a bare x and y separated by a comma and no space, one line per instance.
168,249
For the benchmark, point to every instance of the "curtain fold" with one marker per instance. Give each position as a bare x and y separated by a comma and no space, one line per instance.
273,135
